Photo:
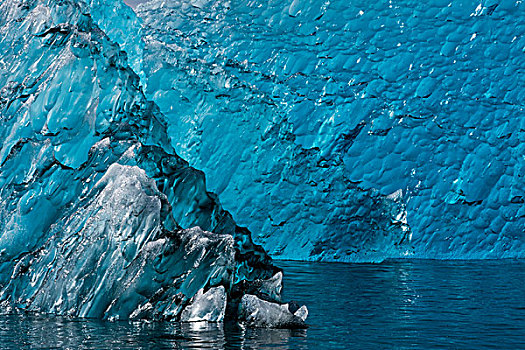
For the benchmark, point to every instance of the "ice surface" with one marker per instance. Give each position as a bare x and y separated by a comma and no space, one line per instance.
209,306
261,313
98,215
350,131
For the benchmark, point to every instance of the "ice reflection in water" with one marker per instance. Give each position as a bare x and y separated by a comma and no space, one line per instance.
22,332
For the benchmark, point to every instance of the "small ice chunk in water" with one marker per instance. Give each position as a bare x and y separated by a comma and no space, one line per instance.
260,313
302,313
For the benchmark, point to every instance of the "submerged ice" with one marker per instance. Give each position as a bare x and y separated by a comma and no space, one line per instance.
99,217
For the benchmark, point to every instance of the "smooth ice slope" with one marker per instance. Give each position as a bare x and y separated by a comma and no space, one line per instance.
98,216
350,130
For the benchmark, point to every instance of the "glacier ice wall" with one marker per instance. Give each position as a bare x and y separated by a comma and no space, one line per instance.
98,215
353,130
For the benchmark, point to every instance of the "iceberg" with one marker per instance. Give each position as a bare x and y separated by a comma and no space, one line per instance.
99,217
353,137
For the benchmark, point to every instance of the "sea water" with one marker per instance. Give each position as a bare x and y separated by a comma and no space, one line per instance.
421,304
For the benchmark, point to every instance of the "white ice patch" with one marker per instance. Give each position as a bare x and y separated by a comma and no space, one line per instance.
209,306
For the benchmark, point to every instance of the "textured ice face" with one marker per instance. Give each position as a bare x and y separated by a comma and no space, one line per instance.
99,217
350,130
206,306
260,313
311,210
111,258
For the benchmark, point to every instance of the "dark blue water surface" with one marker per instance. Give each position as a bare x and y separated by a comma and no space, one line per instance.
395,305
